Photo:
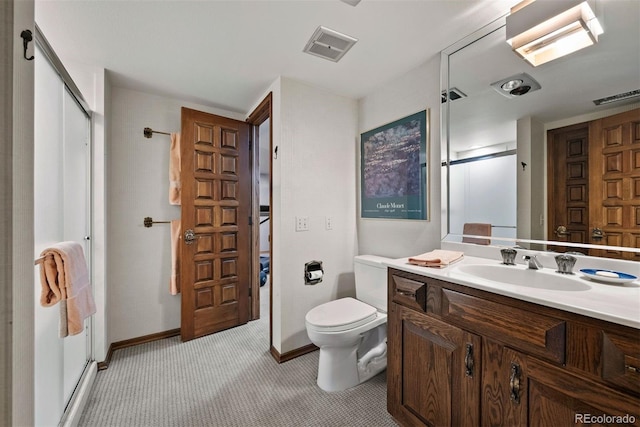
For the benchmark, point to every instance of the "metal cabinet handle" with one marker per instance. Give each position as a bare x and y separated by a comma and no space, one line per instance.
468,361
514,382
406,293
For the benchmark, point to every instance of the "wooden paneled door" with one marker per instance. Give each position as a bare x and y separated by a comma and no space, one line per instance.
615,187
568,192
216,208
594,184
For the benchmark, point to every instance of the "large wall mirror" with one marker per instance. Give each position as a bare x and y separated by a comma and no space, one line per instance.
496,166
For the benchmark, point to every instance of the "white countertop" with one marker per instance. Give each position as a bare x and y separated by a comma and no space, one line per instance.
616,303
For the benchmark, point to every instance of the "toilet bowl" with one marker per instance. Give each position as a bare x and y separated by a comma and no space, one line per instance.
352,333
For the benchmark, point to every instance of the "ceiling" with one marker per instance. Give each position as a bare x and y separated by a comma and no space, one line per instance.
227,53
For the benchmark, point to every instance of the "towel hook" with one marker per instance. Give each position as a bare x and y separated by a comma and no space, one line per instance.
27,36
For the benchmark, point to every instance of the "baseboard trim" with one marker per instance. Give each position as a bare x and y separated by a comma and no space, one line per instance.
289,355
135,341
72,415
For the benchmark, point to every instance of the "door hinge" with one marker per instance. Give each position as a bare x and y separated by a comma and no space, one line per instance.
250,220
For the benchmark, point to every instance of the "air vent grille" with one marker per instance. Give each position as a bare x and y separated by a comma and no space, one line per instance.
324,51
329,44
454,94
618,97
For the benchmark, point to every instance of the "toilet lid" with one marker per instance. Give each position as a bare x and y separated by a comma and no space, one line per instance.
340,315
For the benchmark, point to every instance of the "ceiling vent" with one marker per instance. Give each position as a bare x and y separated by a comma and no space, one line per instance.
454,94
618,97
515,86
329,44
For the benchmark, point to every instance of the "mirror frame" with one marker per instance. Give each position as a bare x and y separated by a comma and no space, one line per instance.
445,132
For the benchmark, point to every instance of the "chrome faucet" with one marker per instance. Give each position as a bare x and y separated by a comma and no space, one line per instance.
534,264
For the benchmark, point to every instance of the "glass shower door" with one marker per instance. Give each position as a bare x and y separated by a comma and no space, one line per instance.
61,213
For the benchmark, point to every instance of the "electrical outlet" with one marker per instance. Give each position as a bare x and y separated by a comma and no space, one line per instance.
328,222
302,223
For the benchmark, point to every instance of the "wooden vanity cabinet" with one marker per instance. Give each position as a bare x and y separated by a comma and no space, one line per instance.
437,383
458,356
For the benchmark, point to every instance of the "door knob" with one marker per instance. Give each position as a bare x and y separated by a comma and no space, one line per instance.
597,234
562,231
189,237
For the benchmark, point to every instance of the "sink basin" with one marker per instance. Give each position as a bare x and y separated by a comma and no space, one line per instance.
518,275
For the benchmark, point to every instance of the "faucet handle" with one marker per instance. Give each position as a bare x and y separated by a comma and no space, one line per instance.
565,263
508,256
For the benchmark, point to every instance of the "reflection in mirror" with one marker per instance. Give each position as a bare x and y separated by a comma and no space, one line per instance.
495,141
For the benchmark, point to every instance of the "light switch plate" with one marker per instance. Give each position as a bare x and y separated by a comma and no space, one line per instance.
328,222
302,223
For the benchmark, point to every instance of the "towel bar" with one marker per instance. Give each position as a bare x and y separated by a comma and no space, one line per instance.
148,222
148,132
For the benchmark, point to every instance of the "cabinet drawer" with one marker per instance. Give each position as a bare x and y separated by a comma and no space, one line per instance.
534,333
612,354
410,293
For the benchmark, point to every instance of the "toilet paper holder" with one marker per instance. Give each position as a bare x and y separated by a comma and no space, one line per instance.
313,272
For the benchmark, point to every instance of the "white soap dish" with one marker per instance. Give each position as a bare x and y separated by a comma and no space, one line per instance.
607,276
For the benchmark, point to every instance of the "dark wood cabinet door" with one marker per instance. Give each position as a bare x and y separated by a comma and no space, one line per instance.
560,399
434,378
504,381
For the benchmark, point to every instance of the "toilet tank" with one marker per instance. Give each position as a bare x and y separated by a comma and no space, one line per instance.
371,280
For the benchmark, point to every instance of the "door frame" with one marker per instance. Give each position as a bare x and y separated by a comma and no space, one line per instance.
263,112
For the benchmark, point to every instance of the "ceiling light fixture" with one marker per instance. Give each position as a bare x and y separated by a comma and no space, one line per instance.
514,86
541,31
511,84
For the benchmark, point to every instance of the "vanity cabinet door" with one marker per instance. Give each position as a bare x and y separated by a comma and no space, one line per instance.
433,371
504,379
561,399
521,390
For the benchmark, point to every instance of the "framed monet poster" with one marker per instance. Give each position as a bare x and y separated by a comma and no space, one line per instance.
394,169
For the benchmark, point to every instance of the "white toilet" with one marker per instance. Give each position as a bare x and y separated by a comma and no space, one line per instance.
352,333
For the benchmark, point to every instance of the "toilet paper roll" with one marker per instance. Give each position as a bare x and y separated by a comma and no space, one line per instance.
314,275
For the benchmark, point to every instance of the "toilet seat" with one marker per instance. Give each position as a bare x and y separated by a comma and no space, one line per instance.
340,315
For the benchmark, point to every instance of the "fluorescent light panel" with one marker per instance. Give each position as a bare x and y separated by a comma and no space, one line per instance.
542,31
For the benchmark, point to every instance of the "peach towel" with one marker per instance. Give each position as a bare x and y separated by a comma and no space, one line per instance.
174,170
174,282
476,229
65,279
438,258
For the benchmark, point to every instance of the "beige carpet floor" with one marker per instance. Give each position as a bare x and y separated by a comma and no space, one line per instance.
226,379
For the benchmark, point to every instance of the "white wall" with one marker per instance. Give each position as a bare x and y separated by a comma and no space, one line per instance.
416,90
264,193
313,176
17,187
138,258
484,191
6,206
